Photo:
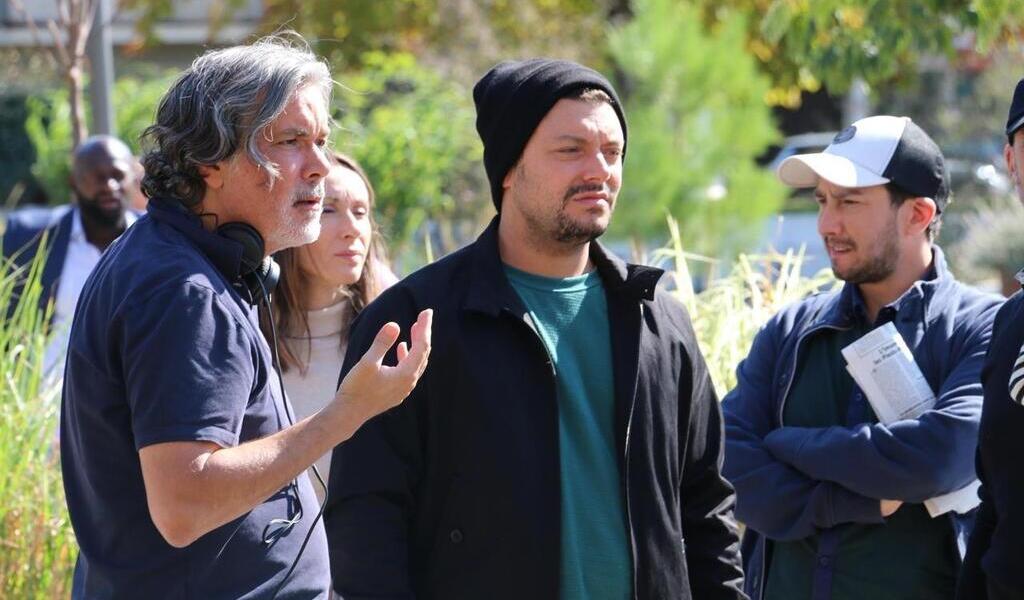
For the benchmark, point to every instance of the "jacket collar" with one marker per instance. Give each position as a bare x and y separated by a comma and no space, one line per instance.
924,300
490,291
60,238
225,254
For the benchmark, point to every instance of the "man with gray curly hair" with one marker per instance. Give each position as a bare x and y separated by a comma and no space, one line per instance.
184,472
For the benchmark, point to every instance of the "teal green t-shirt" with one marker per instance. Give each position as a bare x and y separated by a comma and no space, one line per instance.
571,316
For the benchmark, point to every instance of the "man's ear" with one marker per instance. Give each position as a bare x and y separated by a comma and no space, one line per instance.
72,186
507,181
1011,165
213,175
922,213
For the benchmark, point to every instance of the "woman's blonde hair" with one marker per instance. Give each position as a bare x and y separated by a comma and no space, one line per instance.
288,312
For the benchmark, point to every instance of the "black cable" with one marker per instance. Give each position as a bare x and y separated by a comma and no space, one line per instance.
323,504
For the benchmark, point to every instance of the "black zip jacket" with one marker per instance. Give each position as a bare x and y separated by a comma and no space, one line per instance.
455,494
995,552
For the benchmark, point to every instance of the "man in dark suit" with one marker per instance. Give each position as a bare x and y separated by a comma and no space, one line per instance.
75,234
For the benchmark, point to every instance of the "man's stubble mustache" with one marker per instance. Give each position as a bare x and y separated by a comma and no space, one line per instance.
316,192
590,187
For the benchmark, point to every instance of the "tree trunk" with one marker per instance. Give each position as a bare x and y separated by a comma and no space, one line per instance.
76,97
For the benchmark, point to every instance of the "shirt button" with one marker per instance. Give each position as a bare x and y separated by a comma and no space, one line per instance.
824,561
455,536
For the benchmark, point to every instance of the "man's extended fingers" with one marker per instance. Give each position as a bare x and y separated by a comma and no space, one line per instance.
419,350
402,351
382,343
421,329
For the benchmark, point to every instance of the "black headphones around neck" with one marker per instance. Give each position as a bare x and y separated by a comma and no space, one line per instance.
259,274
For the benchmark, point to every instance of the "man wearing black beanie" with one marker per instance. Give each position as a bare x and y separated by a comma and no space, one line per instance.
992,565
565,440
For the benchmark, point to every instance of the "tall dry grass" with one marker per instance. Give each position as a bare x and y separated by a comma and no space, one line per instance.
730,309
37,546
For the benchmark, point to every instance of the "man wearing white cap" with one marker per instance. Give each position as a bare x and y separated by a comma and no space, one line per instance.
833,499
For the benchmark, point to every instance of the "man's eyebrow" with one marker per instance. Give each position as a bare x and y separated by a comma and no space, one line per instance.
848,192
568,137
296,131
841,193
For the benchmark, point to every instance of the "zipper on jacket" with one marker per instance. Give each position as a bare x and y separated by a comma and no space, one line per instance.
782,408
625,461
528,321
796,359
629,422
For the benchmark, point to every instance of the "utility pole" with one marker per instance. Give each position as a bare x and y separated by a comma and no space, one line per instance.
858,102
99,49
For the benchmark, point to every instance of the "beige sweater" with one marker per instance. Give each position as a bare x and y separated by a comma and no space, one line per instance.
322,353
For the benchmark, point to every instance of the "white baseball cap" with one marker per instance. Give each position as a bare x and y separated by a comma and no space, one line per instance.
875,151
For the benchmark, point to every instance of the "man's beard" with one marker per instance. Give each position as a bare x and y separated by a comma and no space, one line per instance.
292,231
877,267
92,211
568,231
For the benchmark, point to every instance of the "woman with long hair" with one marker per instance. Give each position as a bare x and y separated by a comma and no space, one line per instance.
323,287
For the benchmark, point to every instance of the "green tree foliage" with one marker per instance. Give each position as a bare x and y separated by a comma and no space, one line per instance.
150,12
345,30
413,131
805,43
464,37
49,127
697,120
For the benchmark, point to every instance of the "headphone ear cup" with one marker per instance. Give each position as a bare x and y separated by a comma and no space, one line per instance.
250,240
269,274
259,273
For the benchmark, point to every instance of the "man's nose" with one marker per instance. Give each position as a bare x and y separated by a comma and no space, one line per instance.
829,222
598,167
319,163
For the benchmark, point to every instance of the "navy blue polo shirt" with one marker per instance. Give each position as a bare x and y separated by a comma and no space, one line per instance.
163,349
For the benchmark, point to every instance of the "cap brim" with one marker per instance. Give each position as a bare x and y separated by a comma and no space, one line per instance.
804,171
1013,127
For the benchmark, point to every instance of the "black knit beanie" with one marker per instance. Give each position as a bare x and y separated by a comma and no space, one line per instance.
512,99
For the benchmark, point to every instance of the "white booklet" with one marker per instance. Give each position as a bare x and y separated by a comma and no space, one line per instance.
884,368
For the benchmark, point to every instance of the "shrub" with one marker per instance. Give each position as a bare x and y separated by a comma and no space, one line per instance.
413,131
694,134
